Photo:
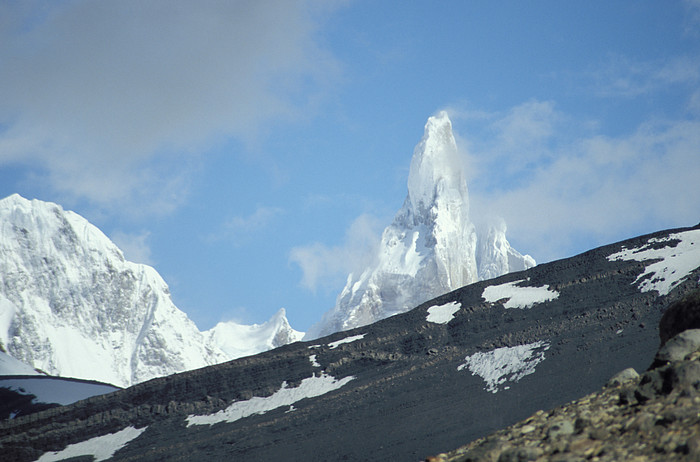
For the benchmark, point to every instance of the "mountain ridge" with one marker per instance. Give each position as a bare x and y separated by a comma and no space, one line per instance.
451,370
66,287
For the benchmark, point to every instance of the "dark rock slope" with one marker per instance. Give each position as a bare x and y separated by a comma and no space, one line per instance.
654,417
401,389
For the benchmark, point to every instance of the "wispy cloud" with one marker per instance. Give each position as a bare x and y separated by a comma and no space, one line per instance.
692,17
624,77
518,141
328,266
592,186
240,229
134,246
98,97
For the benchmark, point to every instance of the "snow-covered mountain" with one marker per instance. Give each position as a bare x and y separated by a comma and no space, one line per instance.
432,246
73,306
237,340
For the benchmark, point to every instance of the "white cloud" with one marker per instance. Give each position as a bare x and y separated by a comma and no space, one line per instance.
623,77
240,228
517,141
134,246
328,266
692,17
100,96
694,103
594,187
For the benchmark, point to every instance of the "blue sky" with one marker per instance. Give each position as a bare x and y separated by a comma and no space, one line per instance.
253,151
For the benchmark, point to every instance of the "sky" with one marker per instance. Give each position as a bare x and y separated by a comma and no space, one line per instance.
253,151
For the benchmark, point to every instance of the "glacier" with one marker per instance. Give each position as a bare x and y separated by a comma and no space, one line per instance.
71,305
431,247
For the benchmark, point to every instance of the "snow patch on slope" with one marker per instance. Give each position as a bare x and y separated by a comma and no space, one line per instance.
309,388
518,296
507,364
100,447
675,261
351,339
442,314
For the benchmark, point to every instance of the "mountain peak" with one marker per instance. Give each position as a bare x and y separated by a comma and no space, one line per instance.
430,248
14,198
436,168
67,287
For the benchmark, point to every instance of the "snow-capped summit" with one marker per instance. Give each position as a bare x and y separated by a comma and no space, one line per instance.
432,246
73,306
436,173
242,340
494,253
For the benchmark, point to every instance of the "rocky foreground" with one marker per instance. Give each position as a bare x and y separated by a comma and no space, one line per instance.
655,416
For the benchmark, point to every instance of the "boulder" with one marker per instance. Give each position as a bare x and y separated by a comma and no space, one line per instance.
679,316
622,377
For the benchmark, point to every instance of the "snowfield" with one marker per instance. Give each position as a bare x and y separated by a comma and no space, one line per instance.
507,364
337,343
100,447
314,363
675,261
518,296
285,396
442,314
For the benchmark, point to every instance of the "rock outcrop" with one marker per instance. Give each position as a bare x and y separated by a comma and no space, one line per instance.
652,417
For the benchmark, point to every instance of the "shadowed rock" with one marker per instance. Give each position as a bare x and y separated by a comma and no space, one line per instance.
680,316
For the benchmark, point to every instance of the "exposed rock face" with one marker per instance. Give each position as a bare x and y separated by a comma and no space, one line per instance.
454,369
682,315
655,416
432,246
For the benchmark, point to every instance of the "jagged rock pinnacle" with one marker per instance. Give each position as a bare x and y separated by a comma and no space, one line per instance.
430,248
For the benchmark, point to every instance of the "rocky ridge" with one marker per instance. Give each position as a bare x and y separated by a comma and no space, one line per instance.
453,369
652,417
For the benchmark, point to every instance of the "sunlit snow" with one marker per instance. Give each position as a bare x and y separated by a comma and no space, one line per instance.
285,396
314,363
100,447
675,261
351,339
507,364
518,296
430,248
442,314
